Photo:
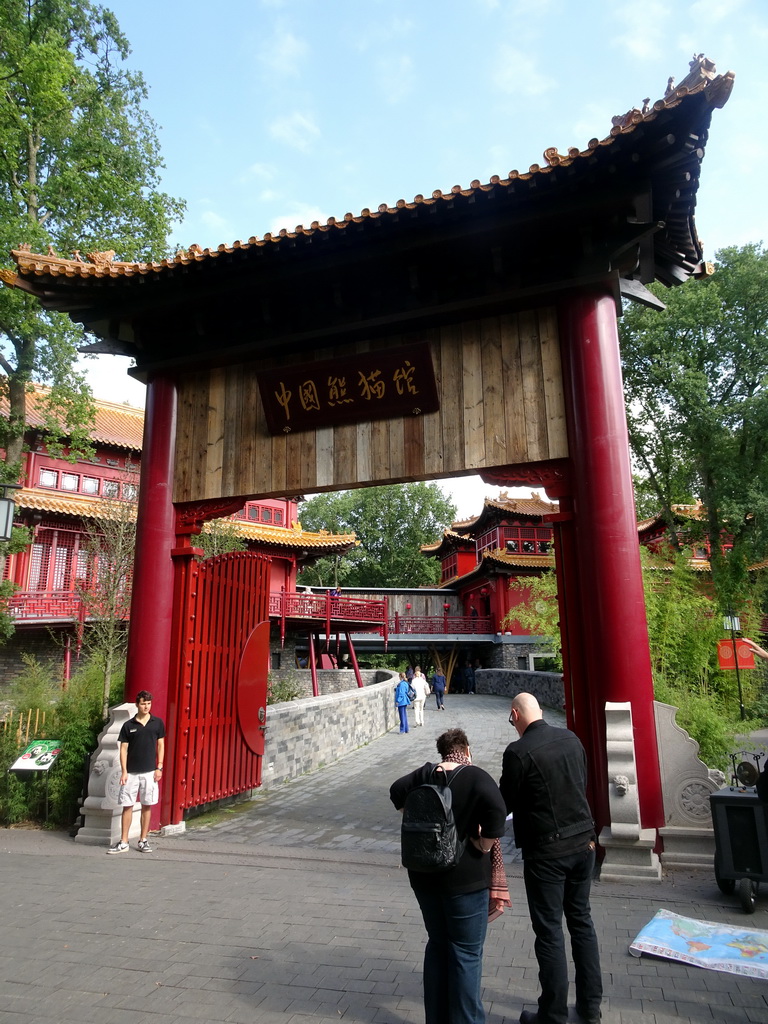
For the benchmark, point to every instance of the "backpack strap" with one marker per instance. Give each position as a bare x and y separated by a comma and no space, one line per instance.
445,776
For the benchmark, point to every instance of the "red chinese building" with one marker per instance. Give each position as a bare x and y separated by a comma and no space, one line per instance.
58,497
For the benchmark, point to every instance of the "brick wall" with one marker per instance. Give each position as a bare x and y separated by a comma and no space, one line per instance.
546,687
304,734
46,648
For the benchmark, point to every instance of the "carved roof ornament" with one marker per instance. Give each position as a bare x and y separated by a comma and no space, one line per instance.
101,259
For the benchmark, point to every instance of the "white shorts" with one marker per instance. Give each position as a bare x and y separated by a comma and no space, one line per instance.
139,787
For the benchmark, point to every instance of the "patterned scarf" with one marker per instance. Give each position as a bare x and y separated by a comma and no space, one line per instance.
498,896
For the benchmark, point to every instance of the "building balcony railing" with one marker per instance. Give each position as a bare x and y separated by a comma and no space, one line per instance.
48,605
323,606
442,624
56,606
344,613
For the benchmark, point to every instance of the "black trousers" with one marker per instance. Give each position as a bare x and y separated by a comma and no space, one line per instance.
557,888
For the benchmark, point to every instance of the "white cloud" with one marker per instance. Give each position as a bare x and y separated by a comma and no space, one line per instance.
645,33
296,130
709,11
395,77
295,214
378,34
259,172
283,52
516,74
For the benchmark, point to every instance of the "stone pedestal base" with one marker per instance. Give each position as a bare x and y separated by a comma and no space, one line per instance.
688,847
629,858
101,813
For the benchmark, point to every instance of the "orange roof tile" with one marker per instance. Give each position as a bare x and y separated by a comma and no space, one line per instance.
85,507
80,505
283,536
120,426
103,265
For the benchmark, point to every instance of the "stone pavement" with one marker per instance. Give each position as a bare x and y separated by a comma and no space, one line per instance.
295,907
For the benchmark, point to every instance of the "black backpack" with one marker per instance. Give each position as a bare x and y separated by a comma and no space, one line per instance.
429,839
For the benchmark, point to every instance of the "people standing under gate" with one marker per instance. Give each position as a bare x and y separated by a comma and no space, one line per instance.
402,701
457,903
438,686
420,687
543,783
142,747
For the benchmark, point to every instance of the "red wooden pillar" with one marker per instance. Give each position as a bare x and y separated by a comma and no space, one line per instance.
613,634
149,640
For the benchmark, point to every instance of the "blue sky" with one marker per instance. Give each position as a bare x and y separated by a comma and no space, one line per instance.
274,113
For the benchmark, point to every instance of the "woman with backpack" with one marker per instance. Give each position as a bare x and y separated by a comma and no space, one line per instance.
402,701
458,880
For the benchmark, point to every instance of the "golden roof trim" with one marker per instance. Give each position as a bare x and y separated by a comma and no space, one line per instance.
102,264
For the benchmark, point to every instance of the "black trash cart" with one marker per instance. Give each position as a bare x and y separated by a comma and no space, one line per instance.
740,821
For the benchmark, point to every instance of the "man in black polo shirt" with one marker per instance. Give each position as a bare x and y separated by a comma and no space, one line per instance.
543,783
142,746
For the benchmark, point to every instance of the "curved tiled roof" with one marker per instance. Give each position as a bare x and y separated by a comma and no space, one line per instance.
103,265
87,507
449,539
120,426
81,506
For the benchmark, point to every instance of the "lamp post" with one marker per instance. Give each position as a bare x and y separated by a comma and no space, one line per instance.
733,623
7,510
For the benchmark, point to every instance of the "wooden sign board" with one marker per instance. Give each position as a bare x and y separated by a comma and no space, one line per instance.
499,402
363,386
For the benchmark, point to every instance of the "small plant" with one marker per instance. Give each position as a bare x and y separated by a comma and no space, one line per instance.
285,688
72,716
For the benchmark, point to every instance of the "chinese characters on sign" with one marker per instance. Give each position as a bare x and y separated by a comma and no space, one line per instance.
365,386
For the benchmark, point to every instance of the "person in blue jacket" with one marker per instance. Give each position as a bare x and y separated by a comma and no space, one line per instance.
438,687
402,701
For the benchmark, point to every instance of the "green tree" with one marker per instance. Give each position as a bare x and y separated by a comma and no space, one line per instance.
219,536
697,405
79,171
391,523
539,611
106,591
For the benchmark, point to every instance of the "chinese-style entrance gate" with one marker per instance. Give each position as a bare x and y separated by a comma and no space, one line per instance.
471,331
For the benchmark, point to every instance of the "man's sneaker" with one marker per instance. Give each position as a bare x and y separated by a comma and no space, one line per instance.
119,848
144,846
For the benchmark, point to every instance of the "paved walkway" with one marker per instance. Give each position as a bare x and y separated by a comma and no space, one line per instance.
295,907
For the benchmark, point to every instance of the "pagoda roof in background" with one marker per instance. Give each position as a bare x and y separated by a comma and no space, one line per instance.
504,507
116,425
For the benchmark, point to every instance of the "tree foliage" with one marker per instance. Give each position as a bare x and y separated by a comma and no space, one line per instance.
696,379
391,523
538,611
106,591
79,172
219,536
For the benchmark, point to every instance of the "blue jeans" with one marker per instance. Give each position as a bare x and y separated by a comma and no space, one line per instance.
453,959
403,712
554,888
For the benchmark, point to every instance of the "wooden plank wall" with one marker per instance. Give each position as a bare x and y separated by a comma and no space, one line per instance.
501,403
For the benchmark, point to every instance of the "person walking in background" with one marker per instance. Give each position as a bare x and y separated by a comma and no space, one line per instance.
543,783
402,701
438,686
457,903
142,746
420,687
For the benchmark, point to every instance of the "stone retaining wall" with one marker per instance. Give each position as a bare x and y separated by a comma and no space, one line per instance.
305,734
546,687
331,680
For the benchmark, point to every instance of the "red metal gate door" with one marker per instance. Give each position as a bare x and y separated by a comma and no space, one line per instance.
220,687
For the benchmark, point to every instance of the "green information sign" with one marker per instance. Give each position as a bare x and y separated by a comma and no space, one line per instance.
37,757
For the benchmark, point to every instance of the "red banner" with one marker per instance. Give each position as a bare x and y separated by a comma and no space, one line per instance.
745,657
